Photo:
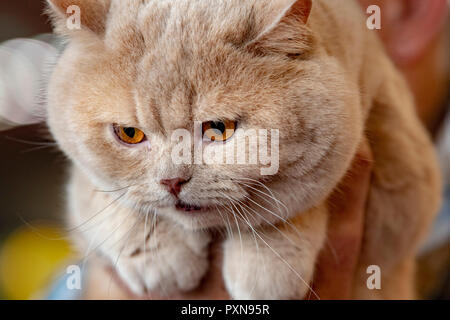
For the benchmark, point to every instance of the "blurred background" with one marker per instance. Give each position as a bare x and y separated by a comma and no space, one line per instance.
33,171
31,184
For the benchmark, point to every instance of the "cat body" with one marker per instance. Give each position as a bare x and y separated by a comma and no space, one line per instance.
310,69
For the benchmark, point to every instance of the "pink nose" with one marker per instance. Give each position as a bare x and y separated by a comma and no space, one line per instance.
174,185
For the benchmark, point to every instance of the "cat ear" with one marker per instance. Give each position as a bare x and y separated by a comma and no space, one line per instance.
68,16
285,32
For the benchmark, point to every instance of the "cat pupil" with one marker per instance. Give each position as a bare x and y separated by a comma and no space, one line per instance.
220,126
129,132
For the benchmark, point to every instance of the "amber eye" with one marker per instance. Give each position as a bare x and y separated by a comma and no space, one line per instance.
129,135
219,130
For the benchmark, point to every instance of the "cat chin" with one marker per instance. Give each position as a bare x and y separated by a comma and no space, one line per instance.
212,218
198,220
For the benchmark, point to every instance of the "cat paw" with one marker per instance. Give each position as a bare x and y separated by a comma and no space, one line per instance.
255,272
174,261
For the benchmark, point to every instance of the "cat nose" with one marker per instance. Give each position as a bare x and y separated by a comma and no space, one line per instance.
174,185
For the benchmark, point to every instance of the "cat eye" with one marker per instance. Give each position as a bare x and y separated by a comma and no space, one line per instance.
218,130
129,135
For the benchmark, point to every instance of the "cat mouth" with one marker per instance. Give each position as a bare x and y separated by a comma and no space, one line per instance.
189,208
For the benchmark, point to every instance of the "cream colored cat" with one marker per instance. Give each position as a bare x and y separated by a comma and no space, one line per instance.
138,70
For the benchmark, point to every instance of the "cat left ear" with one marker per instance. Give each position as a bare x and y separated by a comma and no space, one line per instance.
297,10
283,32
68,16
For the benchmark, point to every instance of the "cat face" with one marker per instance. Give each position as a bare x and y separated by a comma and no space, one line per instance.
140,70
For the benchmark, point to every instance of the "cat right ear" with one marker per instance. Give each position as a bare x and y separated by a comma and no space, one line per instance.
70,16
285,30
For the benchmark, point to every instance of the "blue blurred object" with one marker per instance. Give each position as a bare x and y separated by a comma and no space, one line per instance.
60,290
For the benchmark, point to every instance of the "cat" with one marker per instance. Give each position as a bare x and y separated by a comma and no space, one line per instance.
137,70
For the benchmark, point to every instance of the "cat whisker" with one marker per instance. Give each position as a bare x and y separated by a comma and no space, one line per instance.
256,246
271,197
89,252
229,225
37,149
268,196
109,205
139,216
227,230
267,201
122,188
71,230
287,263
290,267
33,143
74,229
230,207
239,230
91,244
145,246
260,183
149,237
270,224
156,252
36,231
290,224
333,251
128,233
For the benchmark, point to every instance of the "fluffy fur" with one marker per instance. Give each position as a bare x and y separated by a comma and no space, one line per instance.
319,76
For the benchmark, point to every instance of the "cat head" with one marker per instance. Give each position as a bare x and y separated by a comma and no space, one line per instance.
135,72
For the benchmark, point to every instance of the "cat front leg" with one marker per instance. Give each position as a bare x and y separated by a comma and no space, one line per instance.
172,260
275,263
